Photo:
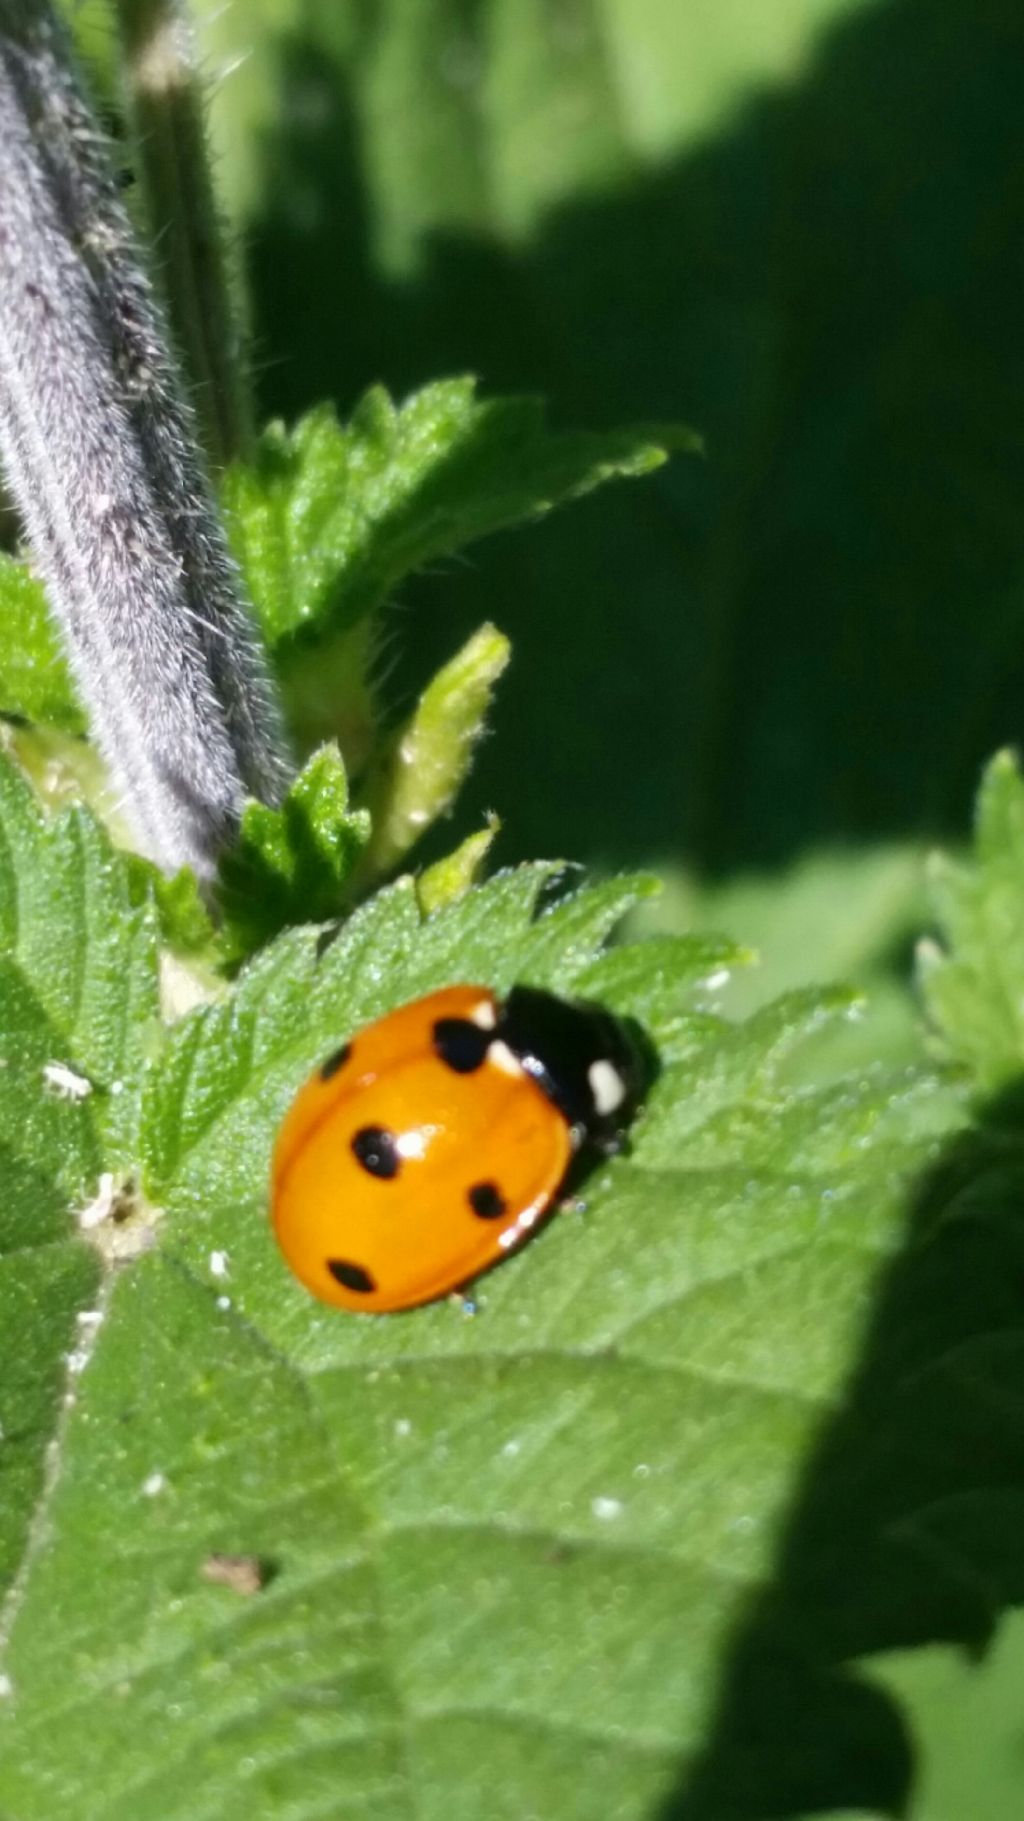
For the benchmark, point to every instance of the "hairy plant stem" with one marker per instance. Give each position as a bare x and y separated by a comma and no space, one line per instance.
165,98
99,447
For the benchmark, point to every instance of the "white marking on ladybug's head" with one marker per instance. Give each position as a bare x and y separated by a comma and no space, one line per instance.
503,1059
607,1087
484,1015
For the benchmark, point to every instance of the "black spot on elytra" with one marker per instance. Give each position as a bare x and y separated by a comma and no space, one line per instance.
335,1062
486,1200
353,1277
375,1148
461,1044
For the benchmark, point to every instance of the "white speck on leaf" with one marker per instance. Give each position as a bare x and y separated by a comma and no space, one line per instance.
101,1204
64,1084
154,1485
218,1264
606,1509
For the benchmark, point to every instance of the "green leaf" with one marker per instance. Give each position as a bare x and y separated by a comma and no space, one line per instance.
835,914
974,981
79,953
34,679
964,1716
418,775
493,1565
178,1384
328,519
291,864
44,1287
64,770
451,877
78,1029
185,924
511,117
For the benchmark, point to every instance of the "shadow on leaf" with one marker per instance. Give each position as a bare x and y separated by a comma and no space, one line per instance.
907,1528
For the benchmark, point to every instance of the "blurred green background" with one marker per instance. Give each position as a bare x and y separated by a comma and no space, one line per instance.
795,224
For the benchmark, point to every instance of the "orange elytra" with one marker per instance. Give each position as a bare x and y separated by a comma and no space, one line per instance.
430,1144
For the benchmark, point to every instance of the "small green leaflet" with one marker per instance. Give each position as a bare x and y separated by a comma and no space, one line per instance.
327,519
417,775
291,864
974,980
451,876
34,680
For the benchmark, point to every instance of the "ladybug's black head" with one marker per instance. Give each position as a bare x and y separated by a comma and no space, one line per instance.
587,1062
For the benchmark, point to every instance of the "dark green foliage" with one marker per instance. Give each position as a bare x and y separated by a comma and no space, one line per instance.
795,231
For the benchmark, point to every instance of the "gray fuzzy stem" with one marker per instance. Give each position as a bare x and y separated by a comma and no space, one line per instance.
166,103
99,448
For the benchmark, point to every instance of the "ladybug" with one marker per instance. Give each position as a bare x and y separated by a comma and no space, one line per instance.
433,1141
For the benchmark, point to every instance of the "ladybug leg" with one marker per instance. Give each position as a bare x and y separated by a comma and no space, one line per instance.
571,1203
610,1144
465,1302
